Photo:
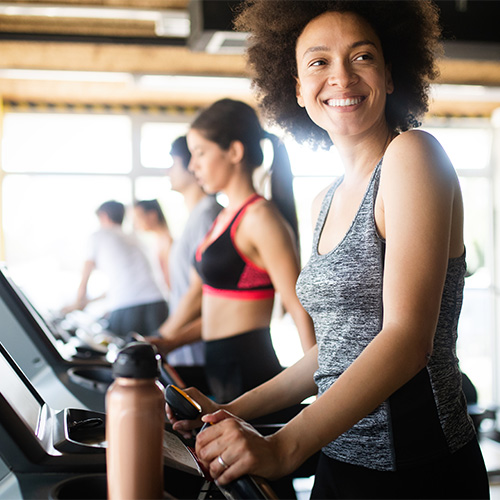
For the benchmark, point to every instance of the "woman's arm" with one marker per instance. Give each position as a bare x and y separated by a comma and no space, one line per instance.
184,326
286,389
418,213
274,249
187,334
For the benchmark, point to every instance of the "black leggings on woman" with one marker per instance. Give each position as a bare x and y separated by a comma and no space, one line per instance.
458,475
236,364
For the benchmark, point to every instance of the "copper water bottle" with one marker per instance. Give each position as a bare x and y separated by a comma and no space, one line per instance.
135,415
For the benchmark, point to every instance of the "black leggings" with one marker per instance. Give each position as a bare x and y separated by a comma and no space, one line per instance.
460,475
237,364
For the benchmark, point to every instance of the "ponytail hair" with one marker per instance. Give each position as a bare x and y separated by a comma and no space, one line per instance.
282,183
228,120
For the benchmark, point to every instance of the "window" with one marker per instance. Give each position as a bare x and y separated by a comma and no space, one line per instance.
58,168
46,222
156,138
69,143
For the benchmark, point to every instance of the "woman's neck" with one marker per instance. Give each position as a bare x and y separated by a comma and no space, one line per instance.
238,191
360,155
161,230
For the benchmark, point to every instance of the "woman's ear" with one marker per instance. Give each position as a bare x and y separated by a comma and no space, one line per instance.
300,100
236,151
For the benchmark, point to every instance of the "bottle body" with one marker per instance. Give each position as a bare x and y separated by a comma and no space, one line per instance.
135,412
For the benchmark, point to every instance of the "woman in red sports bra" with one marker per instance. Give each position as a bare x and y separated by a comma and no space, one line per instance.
250,252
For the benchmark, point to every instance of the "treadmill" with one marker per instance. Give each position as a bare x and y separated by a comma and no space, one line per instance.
45,453
64,378
65,369
35,453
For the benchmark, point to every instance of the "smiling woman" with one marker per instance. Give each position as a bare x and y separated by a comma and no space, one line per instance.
411,69
339,72
384,284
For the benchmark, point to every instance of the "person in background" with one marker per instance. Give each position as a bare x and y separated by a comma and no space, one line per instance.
134,300
148,216
250,251
384,284
186,351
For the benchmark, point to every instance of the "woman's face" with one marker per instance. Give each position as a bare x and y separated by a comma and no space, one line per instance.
342,76
144,221
211,165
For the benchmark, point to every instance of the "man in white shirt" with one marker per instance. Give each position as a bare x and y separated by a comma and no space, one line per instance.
135,302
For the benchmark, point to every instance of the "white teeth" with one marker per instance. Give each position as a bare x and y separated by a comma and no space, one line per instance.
344,102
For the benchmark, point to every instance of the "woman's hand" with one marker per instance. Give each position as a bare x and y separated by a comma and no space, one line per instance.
163,345
230,448
185,427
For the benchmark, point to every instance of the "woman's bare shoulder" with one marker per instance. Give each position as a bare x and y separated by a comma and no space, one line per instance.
417,149
419,156
260,218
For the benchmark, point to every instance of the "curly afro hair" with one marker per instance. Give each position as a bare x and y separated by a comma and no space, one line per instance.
408,30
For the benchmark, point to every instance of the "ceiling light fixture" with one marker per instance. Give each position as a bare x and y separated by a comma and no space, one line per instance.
227,42
173,23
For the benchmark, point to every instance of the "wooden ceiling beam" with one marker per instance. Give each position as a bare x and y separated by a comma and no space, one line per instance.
180,60
122,58
169,60
469,72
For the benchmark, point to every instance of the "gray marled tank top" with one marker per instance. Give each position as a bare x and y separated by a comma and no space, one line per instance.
342,292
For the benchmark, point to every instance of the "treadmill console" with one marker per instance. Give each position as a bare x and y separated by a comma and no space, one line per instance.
40,430
17,394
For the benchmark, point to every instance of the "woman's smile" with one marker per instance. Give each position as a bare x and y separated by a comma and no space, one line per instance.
341,69
343,103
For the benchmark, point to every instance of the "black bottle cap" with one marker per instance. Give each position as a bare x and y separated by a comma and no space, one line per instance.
137,360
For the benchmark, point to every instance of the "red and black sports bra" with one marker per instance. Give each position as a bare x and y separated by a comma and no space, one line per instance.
225,271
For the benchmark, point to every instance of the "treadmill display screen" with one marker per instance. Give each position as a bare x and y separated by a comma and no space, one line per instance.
18,395
18,344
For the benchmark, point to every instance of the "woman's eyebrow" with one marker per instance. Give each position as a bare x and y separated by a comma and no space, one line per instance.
323,48
316,48
363,42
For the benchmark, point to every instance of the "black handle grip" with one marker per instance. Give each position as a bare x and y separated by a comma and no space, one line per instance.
183,407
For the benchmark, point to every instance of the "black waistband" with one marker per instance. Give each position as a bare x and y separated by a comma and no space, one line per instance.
241,340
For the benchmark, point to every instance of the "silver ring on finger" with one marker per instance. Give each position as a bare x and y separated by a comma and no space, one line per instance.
219,459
